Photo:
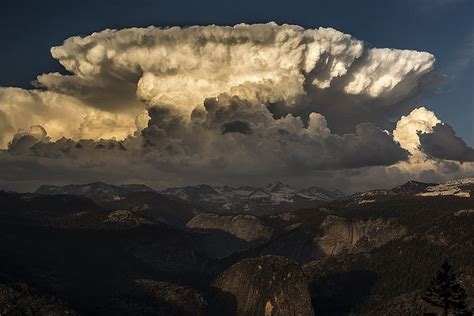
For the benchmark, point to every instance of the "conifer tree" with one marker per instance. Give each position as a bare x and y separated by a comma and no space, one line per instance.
446,292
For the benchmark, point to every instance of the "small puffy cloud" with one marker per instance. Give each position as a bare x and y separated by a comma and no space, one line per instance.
408,128
443,143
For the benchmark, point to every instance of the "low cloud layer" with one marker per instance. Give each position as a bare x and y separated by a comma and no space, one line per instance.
238,104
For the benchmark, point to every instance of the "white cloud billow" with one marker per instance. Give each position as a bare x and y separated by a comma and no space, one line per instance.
222,99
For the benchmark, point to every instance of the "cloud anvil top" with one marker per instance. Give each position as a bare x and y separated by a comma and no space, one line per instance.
207,103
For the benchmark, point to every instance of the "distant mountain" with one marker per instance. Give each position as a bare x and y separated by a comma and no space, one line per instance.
267,199
140,199
321,194
97,191
461,187
279,187
192,193
155,206
411,188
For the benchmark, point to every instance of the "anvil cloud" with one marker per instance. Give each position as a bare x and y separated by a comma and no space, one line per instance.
221,104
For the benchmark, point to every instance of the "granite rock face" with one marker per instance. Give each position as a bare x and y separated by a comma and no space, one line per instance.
345,235
268,285
244,227
126,218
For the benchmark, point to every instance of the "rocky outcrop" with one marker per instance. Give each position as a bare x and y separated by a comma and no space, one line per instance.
125,218
19,299
183,299
245,227
268,285
150,297
346,235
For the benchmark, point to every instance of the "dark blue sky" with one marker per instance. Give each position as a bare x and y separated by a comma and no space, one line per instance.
445,28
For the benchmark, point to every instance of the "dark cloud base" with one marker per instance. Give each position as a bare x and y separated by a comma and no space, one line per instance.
443,143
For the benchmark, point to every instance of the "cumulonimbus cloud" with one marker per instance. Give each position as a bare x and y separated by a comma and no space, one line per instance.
247,99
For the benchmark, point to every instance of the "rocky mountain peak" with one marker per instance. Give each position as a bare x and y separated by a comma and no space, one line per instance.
411,187
278,187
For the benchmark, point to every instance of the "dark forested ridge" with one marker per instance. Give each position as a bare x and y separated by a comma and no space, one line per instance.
144,253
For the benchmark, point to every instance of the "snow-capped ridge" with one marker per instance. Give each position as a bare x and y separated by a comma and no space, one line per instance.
459,187
96,190
247,198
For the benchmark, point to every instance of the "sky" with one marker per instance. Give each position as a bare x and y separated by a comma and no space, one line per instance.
439,91
441,27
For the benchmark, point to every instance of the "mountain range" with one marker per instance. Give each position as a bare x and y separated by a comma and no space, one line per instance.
266,199
99,249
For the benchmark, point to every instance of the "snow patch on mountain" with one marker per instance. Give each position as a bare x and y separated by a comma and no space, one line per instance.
97,191
247,198
461,188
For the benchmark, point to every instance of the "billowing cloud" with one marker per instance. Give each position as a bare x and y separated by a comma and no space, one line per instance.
298,71
61,116
408,128
208,103
411,131
443,143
